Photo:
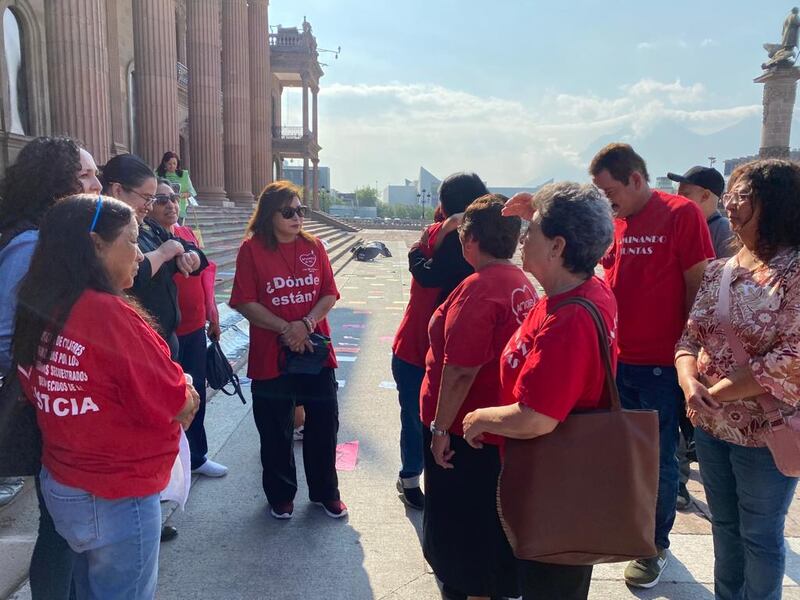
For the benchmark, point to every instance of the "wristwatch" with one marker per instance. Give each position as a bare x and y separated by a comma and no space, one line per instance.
438,432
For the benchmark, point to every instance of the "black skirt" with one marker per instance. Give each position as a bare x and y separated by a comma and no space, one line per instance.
462,538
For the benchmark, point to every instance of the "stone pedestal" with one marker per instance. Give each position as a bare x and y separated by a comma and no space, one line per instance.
780,89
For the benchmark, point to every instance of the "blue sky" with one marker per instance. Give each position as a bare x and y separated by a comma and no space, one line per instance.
524,91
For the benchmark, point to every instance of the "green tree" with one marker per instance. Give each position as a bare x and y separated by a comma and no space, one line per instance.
367,196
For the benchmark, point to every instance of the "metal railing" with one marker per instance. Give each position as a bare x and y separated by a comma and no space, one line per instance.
287,133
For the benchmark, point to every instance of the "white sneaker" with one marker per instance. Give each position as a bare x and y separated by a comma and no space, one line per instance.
211,469
10,487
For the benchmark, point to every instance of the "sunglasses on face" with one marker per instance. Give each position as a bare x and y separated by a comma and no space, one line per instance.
163,199
288,212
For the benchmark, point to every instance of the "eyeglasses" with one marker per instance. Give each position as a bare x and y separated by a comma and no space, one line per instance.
736,199
148,200
287,212
162,199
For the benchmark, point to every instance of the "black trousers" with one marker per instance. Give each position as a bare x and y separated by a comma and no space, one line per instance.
274,401
545,581
192,357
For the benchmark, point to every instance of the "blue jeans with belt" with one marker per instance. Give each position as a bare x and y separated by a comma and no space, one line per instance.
408,378
656,388
116,541
748,498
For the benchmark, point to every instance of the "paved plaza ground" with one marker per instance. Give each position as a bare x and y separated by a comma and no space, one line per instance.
229,548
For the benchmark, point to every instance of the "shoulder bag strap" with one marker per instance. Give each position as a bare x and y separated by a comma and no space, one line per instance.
723,313
605,351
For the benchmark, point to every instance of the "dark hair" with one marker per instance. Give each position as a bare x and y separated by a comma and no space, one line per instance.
64,265
162,167
46,170
776,190
483,222
128,170
620,161
458,190
272,198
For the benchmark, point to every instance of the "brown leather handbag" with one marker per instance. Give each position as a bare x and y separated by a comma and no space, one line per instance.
585,493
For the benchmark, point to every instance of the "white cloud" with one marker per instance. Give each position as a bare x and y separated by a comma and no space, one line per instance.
387,131
708,42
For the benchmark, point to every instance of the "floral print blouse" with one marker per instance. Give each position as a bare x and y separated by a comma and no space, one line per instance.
765,314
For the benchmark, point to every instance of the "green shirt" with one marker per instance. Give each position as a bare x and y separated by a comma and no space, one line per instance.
186,188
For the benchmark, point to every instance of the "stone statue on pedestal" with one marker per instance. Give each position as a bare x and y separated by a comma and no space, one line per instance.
783,55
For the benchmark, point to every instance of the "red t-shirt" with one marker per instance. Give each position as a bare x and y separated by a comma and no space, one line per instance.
106,400
645,268
411,340
552,363
288,281
191,298
470,329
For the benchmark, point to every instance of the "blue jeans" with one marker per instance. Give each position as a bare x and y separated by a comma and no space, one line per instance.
116,540
408,378
748,498
192,358
656,388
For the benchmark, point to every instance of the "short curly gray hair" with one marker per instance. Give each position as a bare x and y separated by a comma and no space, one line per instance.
581,214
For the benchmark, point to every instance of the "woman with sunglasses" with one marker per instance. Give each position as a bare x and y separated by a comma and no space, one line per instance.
284,286
724,374
109,401
197,306
127,178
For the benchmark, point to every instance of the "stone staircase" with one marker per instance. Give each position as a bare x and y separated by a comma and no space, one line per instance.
223,229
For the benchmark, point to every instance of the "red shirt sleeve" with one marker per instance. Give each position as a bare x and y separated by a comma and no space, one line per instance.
151,386
563,359
245,281
469,329
328,283
693,239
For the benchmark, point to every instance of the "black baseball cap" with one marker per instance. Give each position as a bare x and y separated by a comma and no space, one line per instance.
705,177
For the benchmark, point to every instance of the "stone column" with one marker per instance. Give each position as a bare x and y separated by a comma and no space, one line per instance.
314,120
180,31
236,102
260,94
780,89
305,104
203,53
307,200
315,183
116,104
77,64
155,74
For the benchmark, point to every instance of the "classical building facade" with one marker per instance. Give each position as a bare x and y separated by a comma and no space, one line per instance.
203,78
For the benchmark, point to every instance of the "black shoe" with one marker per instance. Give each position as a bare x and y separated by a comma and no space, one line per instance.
168,533
411,497
684,499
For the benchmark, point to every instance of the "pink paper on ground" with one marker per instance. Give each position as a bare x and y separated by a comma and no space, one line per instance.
347,456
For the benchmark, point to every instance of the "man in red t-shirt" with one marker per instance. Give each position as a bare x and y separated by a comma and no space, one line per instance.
654,267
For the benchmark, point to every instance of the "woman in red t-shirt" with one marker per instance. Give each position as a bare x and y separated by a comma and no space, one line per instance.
461,534
551,366
109,400
284,286
197,306
437,267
